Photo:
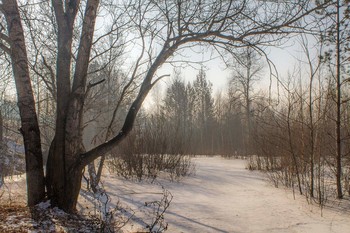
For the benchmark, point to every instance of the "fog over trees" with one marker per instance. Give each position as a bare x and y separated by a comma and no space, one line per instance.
81,71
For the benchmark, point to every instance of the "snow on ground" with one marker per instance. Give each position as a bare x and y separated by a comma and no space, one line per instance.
225,197
222,197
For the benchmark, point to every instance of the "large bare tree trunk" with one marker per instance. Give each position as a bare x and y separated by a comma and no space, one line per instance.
56,164
63,178
29,128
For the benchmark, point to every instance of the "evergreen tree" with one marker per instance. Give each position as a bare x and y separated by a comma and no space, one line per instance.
203,111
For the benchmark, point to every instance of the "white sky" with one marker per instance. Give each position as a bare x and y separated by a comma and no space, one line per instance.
284,59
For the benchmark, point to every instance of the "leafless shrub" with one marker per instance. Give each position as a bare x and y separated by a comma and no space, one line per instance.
157,209
110,217
139,157
274,177
347,181
142,166
254,163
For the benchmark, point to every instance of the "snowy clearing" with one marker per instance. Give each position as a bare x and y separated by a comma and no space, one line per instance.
222,197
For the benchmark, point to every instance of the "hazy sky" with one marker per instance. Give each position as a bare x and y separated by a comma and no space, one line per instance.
283,58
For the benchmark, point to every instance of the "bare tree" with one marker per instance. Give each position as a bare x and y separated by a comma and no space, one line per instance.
15,46
246,71
336,37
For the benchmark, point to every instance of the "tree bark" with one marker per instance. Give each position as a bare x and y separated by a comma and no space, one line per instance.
338,103
26,104
56,165
1,129
64,179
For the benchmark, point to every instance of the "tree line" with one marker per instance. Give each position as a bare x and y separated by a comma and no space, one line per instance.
188,120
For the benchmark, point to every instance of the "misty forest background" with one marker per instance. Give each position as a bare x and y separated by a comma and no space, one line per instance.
279,132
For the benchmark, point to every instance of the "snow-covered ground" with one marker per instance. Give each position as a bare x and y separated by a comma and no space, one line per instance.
222,197
225,197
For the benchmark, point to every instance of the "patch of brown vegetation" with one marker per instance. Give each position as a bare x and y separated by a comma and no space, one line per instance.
19,218
12,217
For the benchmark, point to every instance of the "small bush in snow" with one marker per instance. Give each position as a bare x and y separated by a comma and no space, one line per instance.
141,166
157,210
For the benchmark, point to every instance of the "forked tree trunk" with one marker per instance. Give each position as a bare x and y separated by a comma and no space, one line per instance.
64,169
64,178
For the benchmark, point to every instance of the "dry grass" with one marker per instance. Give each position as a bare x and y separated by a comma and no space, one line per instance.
19,218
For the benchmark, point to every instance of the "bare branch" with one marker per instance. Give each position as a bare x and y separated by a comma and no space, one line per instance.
159,78
5,48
